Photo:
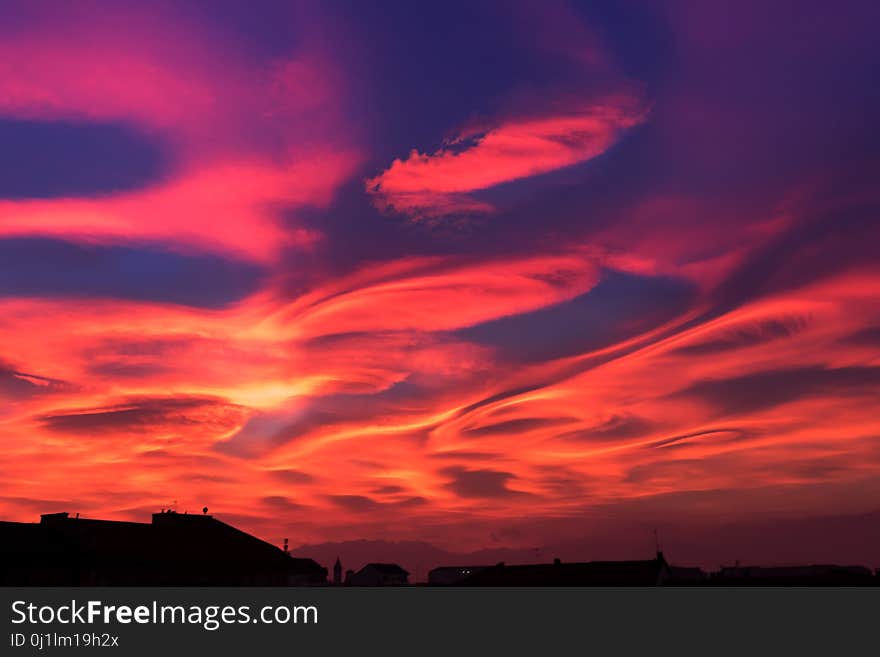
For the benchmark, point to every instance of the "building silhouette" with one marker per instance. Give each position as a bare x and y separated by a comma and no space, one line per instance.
813,575
679,575
198,550
378,574
452,575
173,550
652,572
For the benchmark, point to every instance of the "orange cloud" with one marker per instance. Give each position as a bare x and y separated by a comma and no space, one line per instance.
427,426
434,294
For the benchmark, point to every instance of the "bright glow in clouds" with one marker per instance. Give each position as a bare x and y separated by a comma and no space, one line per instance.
684,332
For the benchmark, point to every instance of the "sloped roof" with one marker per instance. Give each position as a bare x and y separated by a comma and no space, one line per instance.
172,542
387,568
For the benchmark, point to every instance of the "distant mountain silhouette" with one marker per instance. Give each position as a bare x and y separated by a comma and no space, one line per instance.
850,539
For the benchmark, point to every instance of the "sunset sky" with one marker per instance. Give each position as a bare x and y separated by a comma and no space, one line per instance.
477,274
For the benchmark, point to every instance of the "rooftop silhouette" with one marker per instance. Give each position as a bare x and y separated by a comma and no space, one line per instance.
652,572
177,549
378,574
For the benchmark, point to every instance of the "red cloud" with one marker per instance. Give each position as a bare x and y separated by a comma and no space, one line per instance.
441,183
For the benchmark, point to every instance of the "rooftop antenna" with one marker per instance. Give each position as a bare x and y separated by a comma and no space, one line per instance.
657,542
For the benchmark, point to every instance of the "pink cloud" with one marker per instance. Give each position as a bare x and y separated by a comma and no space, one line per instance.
250,140
229,207
440,183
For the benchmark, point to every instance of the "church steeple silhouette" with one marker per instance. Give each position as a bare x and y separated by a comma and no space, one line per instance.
337,572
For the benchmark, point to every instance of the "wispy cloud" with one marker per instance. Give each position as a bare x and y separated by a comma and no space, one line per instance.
667,313
425,185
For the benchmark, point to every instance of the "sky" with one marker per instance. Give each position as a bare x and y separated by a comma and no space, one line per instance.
470,273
